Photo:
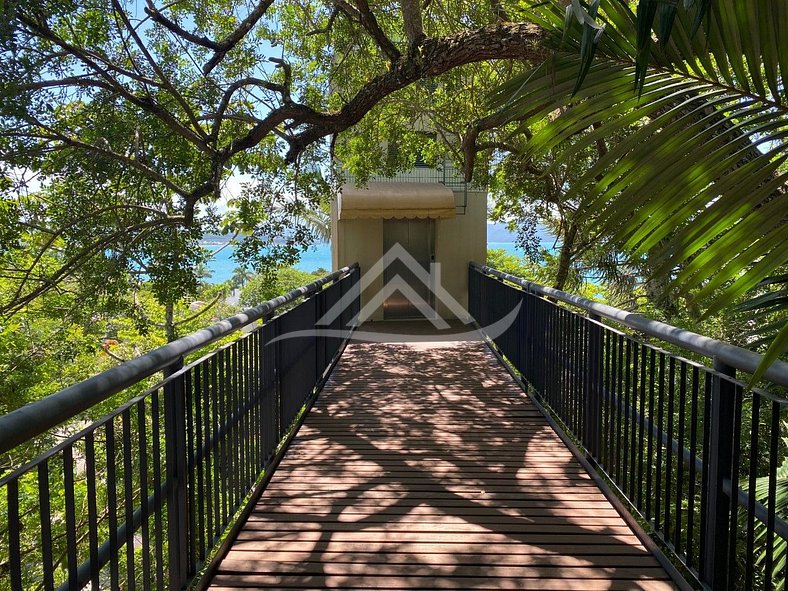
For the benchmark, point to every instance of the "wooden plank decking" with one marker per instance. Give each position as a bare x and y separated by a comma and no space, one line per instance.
425,466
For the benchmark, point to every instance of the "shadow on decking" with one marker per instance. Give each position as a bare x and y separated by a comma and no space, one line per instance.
424,466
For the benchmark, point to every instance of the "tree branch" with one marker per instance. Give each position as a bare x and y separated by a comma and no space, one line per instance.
176,29
229,42
435,56
411,19
362,13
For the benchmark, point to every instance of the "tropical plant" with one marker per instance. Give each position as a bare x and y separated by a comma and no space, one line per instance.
264,287
698,184
780,545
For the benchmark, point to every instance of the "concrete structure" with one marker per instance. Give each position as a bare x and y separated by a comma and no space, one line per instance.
431,213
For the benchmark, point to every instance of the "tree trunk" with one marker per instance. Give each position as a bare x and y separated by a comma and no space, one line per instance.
169,322
565,257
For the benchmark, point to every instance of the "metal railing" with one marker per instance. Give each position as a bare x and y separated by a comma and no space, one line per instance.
446,174
140,498
693,452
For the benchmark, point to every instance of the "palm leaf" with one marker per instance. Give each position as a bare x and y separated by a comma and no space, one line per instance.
697,183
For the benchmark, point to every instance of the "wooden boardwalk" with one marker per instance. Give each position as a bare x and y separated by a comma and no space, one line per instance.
426,467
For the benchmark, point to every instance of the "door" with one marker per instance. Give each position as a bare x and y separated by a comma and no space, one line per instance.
417,237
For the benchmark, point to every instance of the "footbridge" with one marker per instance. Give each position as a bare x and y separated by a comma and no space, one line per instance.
550,442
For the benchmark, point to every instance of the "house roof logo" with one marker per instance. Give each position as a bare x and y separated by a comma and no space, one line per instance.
431,279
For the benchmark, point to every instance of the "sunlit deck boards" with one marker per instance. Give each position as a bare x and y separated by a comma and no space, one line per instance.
425,466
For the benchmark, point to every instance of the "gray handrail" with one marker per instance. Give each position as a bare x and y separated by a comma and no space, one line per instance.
734,356
35,418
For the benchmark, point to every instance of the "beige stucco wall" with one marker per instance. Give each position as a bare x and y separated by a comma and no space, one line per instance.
458,241
358,241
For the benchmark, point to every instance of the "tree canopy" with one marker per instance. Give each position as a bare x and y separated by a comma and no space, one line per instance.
133,116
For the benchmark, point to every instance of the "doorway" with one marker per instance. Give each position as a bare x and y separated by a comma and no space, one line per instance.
417,237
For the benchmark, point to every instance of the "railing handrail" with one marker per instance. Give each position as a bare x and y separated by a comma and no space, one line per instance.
737,357
33,419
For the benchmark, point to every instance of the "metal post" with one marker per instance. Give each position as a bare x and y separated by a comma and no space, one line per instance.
175,449
277,362
592,415
320,341
714,566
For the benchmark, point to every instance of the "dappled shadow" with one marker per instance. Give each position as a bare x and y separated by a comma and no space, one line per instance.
425,466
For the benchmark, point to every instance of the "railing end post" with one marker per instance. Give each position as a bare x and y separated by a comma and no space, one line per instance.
175,453
714,561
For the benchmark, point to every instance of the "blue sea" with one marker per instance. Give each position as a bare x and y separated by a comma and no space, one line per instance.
318,256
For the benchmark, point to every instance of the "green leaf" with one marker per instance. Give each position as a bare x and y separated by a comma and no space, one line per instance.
778,347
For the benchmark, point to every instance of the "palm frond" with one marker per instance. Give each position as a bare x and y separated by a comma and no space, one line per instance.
698,182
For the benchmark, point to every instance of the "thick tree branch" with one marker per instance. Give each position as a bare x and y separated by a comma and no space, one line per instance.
435,56
176,29
362,13
282,89
411,18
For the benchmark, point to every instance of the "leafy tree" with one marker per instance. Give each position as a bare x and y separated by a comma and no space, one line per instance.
262,288
158,105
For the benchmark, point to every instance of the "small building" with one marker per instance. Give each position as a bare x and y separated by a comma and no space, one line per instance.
439,223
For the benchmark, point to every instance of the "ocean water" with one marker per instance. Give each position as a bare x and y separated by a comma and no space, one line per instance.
319,256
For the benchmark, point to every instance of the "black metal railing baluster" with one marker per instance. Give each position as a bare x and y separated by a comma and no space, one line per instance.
733,508
626,443
650,446
191,468
593,388
200,458
677,530
90,477
755,421
221,437
771,503
660,425
703,537
71,516
632,405
641,429
158,500
669,447
208,458
143,485
619,408
719,459
45,515
217,448
112,506
14,542
175,452
610,371
692,468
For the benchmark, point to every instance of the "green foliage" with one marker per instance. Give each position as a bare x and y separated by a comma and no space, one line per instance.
262,288
543,273
498,258
780,544
697,186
